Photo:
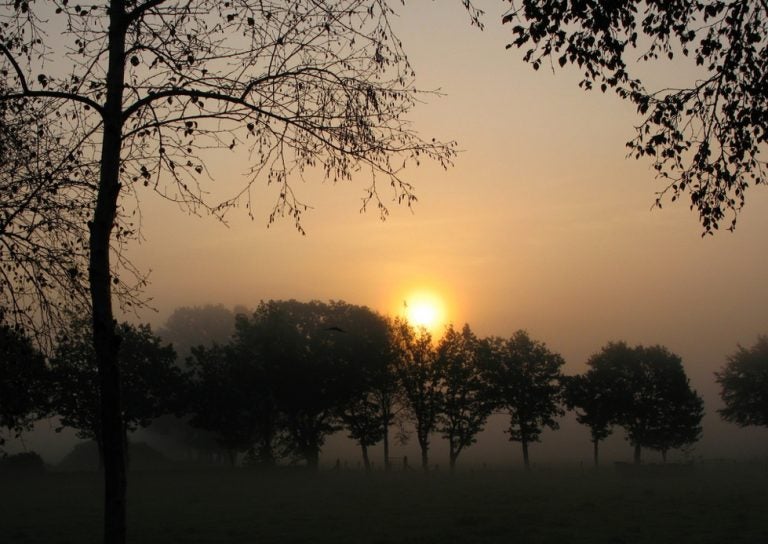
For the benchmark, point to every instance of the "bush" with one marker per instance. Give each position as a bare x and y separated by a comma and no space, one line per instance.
27,462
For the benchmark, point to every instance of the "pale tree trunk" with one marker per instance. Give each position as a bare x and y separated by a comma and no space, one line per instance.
453,455
105,340
313,458
526,461
595,454
387,464
424,445
385,422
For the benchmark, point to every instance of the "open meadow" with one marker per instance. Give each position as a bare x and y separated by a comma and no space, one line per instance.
706,503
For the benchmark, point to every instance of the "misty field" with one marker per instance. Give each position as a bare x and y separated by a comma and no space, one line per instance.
702,504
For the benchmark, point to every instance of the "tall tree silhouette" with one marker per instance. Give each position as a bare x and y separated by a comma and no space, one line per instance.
466,402
590,396
744,385
364,338
706,138
525,380
420,381
150,86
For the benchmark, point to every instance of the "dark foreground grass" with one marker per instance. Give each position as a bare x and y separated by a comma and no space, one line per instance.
701,504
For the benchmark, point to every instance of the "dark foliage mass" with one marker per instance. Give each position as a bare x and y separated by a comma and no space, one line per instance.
150,379
744,385
707,139
645,391
525,381
23,382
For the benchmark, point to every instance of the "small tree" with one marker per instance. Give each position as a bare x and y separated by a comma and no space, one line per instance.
525,380
24,382
420,381
588,395
651,396
666,412
466,403
151,384
363,337
744,385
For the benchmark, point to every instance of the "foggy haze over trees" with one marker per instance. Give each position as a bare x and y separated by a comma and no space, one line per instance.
292,373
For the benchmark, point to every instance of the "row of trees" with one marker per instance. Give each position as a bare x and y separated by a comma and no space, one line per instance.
293,373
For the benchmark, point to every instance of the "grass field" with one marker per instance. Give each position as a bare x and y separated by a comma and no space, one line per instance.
716,504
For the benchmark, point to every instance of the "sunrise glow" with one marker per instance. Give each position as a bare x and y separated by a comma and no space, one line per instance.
425,309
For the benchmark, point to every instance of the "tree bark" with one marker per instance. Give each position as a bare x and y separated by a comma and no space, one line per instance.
424,445
387,466
637,454
105,339
366,460
526,461
313,459
595,455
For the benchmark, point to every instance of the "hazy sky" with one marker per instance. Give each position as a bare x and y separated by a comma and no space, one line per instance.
542,224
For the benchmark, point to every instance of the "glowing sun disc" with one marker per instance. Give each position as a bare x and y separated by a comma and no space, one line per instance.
424,310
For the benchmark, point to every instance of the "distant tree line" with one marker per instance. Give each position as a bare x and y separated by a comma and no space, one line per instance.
292,373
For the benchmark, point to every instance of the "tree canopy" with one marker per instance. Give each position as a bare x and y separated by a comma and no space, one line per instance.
744,385
650,396
524,377
151,382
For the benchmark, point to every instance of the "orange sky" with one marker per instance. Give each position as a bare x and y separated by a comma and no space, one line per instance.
542,224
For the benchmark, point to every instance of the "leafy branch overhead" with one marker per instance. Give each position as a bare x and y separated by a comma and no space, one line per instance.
707,139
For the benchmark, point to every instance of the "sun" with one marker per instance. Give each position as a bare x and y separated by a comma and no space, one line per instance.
425,309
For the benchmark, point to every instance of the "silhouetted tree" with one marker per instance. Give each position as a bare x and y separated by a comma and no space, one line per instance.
524,377
420,381
590,396
314,366
706,138
151,384
149,87
466,402
224,398
744,385
651,396
364,338
24,382
185,328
